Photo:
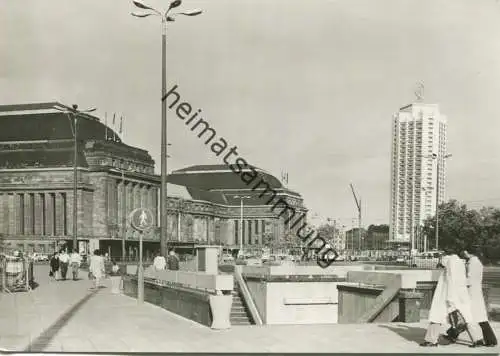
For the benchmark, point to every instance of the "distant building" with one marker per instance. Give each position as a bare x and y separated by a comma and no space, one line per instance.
339,241
418,137
354,241
204,207
377,237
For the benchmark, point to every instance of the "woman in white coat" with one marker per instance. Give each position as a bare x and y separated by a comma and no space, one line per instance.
450,296
475,287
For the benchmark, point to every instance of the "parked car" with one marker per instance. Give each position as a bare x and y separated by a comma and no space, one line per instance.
428,259
39,257
227,259
253,261
273,260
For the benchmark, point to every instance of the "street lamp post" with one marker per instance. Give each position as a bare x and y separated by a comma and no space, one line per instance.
166,16
437,158
73,114
241,197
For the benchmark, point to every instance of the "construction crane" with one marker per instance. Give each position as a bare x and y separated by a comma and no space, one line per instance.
358,205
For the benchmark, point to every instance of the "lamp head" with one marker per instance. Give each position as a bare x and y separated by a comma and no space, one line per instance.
192,12
175,4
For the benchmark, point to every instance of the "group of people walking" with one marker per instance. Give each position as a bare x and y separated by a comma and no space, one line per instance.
61,261
459,301
172,262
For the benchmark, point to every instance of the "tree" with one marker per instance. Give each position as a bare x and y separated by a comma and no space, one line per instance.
463,228
327,232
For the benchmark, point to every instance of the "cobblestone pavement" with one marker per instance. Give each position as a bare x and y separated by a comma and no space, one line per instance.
66,316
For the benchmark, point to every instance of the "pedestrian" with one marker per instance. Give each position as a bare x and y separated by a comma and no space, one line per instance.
173,261
63,263
54,266
450,303
115,278
475,287
75,260
96,268
115,269
159,262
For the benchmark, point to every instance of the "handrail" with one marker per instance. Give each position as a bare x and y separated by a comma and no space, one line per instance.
254,312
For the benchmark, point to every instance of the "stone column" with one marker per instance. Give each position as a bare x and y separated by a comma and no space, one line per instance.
10,214
147,197
179,219
18,211
261,230
49,213
231,232
28,214
38,214
59,215
69,211
196,228
144,197
120,201
113,202
205,228
130,196
137,197
246,235
211,229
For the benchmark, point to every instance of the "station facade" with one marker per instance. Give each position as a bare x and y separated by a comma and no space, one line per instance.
36,191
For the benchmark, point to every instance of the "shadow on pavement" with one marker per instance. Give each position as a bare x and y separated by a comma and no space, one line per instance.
410,333
44,339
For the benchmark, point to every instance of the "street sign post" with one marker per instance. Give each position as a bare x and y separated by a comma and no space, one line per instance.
141,220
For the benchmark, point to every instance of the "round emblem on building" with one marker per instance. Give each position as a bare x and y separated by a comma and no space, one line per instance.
141,219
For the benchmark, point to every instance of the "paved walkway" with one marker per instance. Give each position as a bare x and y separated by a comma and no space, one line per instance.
66,316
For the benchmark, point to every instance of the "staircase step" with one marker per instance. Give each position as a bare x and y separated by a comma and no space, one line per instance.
239,314
238,307
240,323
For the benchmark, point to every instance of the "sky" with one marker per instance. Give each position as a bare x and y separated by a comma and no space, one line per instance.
307,87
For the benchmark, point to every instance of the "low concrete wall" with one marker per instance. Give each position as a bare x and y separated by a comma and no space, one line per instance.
195,280
297,270
409,278
296,299
189,303
297,294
